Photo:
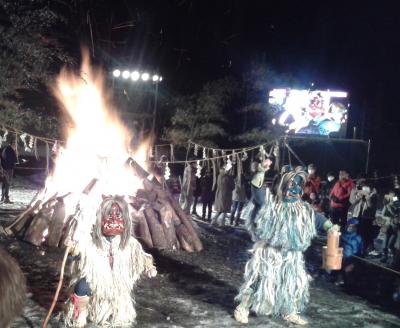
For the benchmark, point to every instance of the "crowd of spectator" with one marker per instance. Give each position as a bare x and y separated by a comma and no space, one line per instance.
369,222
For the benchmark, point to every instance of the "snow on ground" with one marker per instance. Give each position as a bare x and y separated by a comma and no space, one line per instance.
22,192
191,290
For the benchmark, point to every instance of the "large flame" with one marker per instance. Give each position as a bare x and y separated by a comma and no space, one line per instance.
97,144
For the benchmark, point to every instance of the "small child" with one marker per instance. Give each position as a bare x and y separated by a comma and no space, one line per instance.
352,244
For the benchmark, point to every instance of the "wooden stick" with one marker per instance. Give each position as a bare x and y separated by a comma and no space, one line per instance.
60,282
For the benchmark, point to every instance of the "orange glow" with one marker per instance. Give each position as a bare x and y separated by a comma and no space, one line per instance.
97,143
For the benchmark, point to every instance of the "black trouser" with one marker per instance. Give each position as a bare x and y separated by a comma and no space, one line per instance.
195,201
391,236
367,231
207,204
5,187
236,206
339,216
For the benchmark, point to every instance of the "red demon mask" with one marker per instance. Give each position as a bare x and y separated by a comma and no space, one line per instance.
113,224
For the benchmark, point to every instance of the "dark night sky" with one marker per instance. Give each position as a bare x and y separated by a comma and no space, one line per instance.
351,45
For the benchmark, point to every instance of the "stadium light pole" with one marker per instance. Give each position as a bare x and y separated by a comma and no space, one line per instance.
144,77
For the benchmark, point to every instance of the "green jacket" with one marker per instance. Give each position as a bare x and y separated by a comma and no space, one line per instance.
258,177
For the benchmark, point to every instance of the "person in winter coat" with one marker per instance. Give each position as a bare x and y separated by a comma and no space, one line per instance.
223,196
390,230
258,187
351,241
188,187
363,200
313,183
207,194
8,161
339,197
238,199
352,244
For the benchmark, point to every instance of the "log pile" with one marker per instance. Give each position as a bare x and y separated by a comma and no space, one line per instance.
158,221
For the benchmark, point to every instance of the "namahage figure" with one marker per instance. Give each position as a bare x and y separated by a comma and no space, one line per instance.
110,261
275,280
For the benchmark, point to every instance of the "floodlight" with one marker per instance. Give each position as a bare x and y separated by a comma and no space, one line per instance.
145,76
125,74
135,76
117,73
156,78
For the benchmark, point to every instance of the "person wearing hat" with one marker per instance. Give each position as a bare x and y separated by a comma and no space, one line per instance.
353,245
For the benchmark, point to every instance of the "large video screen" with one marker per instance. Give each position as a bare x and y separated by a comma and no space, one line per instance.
316,112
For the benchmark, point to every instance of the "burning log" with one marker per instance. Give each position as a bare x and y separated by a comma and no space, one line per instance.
89,187
158,220
170,211
156,229
184,219
20,222
141,229
36,230
68,231
56,223
19,225
184,238
168,217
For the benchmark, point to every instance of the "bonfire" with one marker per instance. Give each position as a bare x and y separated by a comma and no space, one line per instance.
96,160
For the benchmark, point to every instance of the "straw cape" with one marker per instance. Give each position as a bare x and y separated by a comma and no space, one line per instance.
275,280
111,286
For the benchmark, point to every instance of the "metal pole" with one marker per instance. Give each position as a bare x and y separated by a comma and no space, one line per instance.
153,127
368,151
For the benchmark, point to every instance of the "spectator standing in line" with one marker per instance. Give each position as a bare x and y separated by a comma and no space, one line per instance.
196,195
339,197
207,194
363,200
238,199
223,196
391,211
8,161
188,187
326,189
313,183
